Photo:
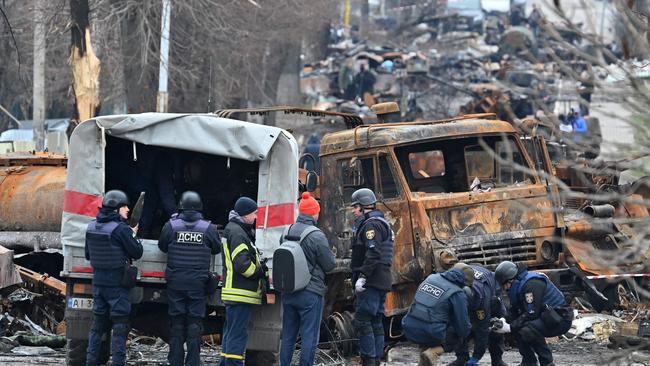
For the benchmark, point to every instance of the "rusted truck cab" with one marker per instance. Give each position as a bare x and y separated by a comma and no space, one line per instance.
460,189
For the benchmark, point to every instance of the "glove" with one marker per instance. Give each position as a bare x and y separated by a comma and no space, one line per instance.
501,327
471,362
265,270
359,285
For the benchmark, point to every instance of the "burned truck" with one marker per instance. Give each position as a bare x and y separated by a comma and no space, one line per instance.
466,189
222,159
471,189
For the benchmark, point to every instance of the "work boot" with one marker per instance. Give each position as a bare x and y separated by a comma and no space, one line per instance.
429,357
368,361
459,361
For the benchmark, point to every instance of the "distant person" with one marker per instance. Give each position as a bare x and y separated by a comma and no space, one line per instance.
312,148
534,20
565,124
365,82
585,89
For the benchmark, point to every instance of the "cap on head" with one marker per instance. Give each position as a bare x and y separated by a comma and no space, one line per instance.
363,197
308,205
468,272
115,199
190,200
505,271
245,206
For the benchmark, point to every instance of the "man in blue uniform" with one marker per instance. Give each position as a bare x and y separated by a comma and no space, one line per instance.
537,310
190,242
438,317
372,257
110,245
484,304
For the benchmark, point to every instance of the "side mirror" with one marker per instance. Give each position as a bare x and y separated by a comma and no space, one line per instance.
311,181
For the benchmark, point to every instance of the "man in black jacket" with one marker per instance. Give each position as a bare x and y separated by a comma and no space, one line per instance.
372,256
190,242
244,275
538,310
110,245
302,310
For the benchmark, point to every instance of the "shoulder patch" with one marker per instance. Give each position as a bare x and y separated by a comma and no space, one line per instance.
529,297
480,314
370,234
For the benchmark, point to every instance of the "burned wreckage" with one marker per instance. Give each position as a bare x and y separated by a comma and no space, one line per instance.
468,188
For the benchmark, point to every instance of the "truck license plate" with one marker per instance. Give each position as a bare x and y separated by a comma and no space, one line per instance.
84,303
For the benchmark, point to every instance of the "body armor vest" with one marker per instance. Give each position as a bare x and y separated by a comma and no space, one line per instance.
189,249
104,253
430,303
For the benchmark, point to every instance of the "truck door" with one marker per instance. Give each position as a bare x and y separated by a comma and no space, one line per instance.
545,169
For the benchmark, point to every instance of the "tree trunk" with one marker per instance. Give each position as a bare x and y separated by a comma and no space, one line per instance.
85,65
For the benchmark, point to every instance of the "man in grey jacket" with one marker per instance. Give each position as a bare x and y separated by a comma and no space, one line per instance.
302,310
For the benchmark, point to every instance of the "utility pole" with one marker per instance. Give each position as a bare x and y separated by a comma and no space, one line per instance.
38,92
163,96
365,18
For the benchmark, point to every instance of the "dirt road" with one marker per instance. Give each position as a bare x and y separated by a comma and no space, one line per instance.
566,352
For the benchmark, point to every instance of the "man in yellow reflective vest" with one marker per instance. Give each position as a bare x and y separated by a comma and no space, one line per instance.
244,274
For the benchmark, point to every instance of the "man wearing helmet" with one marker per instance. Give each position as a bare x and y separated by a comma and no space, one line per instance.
372,256
537,310
484,300
110,245
190,242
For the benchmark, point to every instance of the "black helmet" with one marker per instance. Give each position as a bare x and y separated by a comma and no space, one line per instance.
505,271
115,199
190,200
363,197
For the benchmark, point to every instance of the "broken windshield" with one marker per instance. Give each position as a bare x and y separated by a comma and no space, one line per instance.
465,164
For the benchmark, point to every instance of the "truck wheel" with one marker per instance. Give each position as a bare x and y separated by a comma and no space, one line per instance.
76,352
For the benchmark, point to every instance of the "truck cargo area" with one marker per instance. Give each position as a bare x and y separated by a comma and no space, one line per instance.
165,173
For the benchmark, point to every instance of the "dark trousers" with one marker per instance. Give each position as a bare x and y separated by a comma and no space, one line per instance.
186,312
235,334
532,342
368,322
110,305
427,334
301,313
496,347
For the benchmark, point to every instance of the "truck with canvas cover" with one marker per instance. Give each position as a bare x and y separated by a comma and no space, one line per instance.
165,155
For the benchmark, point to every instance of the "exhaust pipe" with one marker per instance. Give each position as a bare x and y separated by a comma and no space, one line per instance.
606,210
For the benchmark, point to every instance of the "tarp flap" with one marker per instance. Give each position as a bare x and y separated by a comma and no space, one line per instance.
194,132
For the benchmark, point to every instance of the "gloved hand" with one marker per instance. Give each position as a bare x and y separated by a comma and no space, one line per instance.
471,362
359,285
500,326
265,270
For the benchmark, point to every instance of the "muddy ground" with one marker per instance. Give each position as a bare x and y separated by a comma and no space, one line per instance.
566,353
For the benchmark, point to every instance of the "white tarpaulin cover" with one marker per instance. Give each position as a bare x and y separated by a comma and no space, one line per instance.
275,149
